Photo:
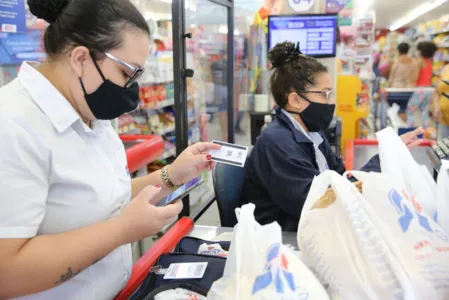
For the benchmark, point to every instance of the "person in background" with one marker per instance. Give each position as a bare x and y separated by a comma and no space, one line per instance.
66,214
293,149
426,50
404,73
441,104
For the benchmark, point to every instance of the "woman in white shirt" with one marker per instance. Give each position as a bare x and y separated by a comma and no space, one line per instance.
66,219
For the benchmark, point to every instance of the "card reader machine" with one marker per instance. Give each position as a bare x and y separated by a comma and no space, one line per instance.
438,152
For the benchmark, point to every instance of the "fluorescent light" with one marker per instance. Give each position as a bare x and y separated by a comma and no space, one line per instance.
416,12
166,1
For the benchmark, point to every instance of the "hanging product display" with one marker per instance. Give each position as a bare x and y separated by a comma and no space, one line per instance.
344,10
364,41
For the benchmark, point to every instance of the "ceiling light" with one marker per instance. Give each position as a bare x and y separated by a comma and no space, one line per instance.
415,13
166,1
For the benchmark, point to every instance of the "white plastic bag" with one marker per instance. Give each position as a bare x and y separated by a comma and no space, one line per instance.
393,115
418,243
374,245
343,246
396,160
260,267
443,196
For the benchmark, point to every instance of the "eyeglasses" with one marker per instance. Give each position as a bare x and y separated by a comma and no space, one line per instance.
328,95
136,71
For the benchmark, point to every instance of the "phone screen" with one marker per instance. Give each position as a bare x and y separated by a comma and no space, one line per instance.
180,191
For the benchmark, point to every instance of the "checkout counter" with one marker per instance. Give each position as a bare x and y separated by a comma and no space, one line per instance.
357,153
144,149
184,227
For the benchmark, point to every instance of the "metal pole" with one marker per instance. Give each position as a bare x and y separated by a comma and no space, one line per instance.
179,66
230,73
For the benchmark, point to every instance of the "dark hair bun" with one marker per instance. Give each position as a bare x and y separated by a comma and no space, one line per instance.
283,53
48,10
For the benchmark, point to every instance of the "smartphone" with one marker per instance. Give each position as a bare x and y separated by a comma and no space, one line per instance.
181,191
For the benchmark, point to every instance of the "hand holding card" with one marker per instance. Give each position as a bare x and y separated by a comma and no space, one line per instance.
230,154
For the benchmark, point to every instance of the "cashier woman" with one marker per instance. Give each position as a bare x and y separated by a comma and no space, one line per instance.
293,149
66,214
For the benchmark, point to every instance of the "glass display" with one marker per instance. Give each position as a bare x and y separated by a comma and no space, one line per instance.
207,90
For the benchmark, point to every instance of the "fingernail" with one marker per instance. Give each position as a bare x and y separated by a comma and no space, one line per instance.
158,186
208,157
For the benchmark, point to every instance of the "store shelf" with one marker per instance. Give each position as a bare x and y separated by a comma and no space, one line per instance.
129,129
149,84
161,104
166,130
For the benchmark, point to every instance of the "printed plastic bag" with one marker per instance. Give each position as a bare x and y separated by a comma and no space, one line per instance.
377,244
341,243
443,196
419,244
396,160
260,267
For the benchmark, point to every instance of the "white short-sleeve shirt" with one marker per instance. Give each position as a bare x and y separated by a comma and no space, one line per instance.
57,175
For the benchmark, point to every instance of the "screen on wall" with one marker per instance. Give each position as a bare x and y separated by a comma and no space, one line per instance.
316,34
18,47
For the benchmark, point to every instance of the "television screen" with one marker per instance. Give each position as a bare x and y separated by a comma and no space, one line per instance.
316,34
18,47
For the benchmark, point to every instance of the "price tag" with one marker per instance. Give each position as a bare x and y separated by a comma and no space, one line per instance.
186,271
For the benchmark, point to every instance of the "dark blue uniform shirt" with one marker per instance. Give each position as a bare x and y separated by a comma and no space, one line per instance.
280,171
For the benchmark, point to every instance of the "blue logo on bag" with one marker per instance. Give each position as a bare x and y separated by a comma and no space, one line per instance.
406,215
276,271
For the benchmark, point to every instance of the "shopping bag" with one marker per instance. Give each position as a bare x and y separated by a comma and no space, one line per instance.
341,243
396,160
393,115
260,267
443,196
419,244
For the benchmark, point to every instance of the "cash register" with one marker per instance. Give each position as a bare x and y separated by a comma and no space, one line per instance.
438,152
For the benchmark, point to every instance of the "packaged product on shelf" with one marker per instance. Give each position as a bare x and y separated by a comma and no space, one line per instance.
126,124
170,90
161,124
160,92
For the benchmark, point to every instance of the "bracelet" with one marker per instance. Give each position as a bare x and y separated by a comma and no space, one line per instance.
166,179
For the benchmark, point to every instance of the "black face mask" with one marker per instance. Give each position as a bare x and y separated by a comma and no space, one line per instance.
316,116
110,100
